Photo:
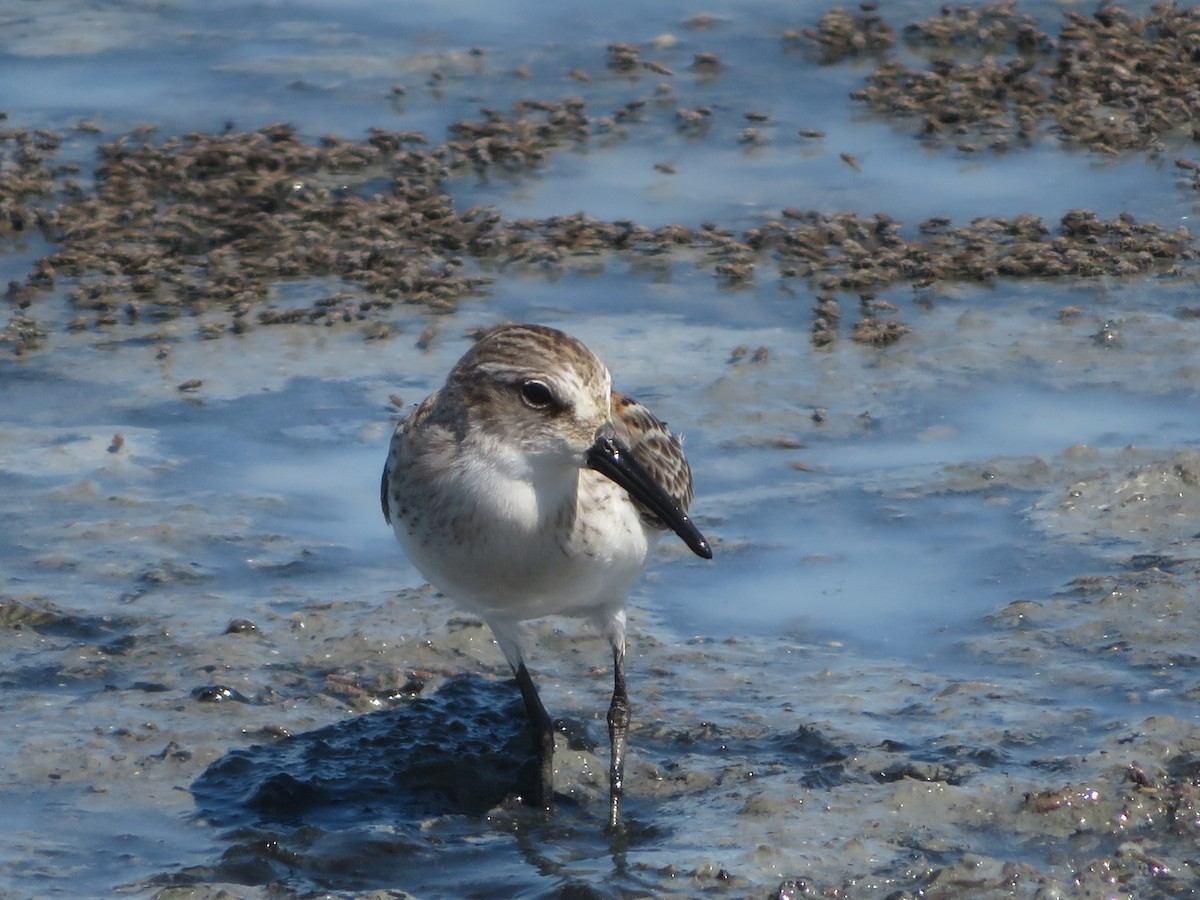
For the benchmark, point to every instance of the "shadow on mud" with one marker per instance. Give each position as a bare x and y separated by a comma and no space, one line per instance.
460,751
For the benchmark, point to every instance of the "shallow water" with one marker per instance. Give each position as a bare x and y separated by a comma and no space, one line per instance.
948,574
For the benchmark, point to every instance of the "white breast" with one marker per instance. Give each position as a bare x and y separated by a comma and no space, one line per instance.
514,545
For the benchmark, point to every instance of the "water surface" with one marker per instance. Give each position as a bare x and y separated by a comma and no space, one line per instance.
948,572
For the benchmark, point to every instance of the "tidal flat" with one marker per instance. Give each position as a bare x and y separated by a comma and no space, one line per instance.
916,283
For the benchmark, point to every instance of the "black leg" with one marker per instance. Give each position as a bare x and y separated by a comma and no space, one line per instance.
541,727
618,731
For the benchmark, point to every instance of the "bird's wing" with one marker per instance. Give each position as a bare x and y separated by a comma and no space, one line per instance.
654,446
389,484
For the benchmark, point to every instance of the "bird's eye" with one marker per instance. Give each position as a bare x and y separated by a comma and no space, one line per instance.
536,394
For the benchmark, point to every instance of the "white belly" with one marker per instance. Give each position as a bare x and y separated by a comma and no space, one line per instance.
509,551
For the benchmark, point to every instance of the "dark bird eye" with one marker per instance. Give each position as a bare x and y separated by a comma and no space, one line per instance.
536,394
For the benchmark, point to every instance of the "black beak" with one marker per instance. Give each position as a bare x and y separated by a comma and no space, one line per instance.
612,459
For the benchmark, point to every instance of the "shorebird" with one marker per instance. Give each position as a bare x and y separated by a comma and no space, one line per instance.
526,487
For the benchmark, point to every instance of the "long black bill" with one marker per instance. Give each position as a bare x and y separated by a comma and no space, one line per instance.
613,459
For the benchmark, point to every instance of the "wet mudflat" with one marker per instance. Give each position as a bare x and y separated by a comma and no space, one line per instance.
935,365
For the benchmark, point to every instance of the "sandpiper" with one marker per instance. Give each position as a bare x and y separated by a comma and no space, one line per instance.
527,487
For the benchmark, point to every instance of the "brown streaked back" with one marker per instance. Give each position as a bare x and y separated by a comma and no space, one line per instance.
656,448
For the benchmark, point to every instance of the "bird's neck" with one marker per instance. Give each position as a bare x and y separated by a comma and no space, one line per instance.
523,490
